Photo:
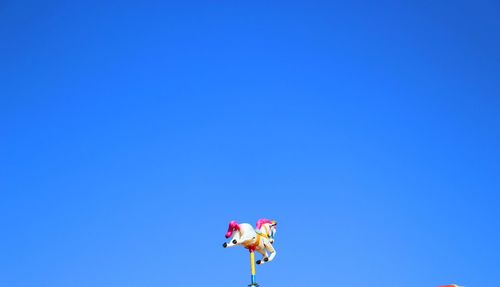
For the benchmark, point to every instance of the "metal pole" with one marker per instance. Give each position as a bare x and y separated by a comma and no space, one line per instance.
252,269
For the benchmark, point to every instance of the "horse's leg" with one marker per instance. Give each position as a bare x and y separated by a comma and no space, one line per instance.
229,244
269,247
264,255
233,241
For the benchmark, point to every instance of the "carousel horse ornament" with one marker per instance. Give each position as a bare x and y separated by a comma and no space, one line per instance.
260,239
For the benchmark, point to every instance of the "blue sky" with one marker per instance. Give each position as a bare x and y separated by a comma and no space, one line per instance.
131,133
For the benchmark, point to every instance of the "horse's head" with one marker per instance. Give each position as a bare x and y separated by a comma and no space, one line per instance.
273,226
273,230
267,227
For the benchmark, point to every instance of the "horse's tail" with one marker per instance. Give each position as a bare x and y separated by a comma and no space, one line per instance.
233,225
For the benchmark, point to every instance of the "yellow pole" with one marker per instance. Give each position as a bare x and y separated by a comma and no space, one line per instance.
252,266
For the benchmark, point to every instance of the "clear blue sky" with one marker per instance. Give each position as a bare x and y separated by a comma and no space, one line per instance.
131,133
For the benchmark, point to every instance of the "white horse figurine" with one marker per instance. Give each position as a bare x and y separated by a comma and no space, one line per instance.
260,239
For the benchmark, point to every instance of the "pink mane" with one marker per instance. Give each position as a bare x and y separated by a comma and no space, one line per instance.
233,225
262,221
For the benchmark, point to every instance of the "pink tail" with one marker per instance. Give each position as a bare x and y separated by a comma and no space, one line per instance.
233,225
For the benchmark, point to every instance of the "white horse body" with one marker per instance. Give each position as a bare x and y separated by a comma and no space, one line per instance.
243,236
261,240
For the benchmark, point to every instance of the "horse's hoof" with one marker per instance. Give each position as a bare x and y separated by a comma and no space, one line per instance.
259,262
234,241
266,259
224,245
